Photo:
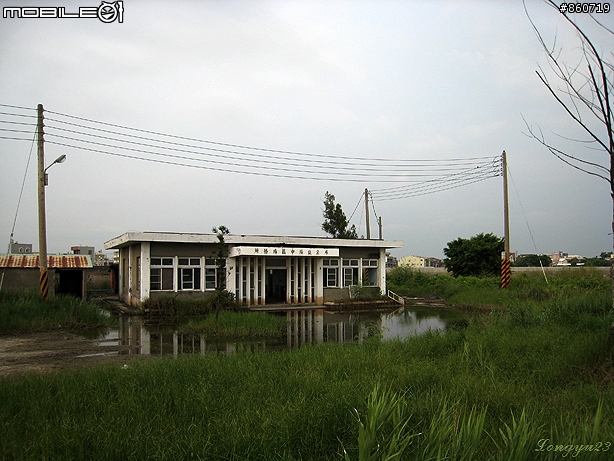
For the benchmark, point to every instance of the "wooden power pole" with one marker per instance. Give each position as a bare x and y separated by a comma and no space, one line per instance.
505,262
42,226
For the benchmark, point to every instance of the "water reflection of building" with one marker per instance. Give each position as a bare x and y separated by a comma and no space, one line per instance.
304,326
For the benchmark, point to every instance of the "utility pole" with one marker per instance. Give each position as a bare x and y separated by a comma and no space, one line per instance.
42,226
505,263
367,213
379,221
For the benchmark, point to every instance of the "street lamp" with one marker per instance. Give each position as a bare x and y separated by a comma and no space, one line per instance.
60,159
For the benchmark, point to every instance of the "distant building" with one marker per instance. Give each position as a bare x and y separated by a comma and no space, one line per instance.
433,262
391,261
22,272
83,250
558,256
412,261
101,259
565,259
17,248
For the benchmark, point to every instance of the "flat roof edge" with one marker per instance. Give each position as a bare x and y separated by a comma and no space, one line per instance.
234,239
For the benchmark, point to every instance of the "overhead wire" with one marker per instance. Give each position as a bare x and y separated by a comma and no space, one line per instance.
88,135
526,220
447,164
23,183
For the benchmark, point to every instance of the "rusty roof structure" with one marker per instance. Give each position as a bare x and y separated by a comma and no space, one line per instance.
53,261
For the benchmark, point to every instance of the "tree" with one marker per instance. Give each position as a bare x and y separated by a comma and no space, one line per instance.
335,223
222,299
584,90
533,261
480,255
220,256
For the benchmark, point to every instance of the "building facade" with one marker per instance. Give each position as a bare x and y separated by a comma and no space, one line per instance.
68,273
259,270
412,261
20,248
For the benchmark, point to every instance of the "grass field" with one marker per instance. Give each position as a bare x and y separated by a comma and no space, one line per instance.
531,380
26,312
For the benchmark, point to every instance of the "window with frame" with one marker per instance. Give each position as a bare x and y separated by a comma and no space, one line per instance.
210,274
369,268
161,274
331,272
189,273
350,272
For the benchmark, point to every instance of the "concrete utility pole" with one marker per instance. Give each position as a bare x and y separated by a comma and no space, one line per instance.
379,221
367,213
42,226
505,263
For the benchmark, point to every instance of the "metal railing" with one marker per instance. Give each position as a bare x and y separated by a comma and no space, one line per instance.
395,297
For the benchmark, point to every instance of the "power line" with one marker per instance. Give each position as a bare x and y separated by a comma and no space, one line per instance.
418,176
253,148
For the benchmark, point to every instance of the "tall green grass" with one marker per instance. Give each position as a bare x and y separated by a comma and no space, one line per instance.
238,324
483,293
488,393
531,381
24,312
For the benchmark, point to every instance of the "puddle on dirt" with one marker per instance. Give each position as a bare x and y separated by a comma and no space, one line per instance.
309,326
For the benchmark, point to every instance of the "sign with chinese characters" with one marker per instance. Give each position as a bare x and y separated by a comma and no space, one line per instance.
284,251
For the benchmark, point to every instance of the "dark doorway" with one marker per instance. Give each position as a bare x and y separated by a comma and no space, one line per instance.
70,283
276,286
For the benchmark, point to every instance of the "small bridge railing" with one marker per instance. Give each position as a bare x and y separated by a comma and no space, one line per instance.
395,297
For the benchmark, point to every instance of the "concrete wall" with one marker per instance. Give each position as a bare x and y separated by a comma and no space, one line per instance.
332,295
18,279
549,270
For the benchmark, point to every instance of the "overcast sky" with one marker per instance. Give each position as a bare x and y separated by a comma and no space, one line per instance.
402,80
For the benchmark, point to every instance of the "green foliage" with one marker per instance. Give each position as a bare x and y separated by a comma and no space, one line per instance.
581,285
179,307
238,324
365,293
532,380
480,255
220,256
383,431
25,312
335,223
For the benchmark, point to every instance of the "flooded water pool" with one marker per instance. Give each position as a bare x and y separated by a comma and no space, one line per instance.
304,326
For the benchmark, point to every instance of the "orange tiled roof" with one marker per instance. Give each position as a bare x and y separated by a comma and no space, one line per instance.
53,261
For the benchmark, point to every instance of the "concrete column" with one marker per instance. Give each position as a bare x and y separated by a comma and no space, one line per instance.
130,274
381,270
240,269
248,278
145,270
263,280
288,280
297,261
319,280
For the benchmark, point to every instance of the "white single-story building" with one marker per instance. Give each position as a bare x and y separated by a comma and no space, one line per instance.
259,269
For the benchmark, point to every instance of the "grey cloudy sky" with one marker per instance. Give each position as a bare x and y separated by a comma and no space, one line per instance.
420,80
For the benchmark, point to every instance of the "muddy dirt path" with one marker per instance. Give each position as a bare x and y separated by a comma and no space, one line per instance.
53,351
